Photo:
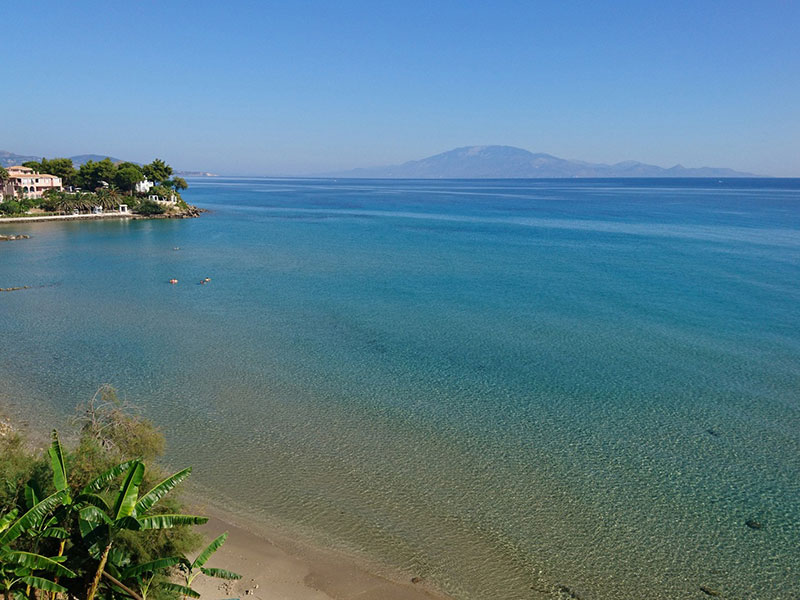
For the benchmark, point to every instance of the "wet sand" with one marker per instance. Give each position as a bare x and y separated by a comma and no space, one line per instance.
276,568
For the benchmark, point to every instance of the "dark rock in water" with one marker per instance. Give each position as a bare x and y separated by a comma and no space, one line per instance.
753,524
713,432
415,579
709,591
565,591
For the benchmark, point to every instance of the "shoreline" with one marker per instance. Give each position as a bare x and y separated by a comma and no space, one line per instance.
274,563
35,218
276,566
192,213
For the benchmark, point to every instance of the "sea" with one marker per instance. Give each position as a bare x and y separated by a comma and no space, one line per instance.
511,389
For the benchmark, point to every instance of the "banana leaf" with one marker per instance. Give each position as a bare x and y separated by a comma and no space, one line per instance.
160,490
219,573
203,557
43,584
169,521
32,517
37,562
7,519
181,589
152,566
58,464
100,481
129,491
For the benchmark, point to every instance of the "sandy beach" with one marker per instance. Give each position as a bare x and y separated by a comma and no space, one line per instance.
273,566
276,568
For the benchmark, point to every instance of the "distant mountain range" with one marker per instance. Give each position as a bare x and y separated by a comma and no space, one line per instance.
508,162
9,159
472,162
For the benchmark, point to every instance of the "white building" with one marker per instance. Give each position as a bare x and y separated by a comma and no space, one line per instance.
143,186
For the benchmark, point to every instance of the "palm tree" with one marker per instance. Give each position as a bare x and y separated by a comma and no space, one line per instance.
108,199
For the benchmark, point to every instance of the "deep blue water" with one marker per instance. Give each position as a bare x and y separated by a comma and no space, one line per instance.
501,386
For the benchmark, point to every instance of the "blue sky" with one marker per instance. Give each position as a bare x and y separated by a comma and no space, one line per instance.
296,87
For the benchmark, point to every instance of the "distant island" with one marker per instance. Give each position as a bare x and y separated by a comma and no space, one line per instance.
508,162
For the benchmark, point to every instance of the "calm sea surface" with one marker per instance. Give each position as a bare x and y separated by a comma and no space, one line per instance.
503,387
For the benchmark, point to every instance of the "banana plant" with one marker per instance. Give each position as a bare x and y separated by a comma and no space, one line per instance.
196,567
139,579
100,523
18,568
46,527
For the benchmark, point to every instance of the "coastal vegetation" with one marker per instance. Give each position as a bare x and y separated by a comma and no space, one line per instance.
151,189
97,520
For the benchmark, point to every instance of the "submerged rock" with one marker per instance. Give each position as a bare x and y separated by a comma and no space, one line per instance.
709,591
753,524
566,592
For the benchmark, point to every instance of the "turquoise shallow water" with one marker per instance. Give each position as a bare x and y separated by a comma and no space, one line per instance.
501,386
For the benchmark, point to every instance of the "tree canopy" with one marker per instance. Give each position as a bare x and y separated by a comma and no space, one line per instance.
60,167
127,176
157,171
92,174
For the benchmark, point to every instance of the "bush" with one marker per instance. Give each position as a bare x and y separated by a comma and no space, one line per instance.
111,436
148,207
11,207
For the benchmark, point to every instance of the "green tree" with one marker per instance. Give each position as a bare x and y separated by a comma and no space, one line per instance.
179,183
60,167
33,164
127,177
92,173
157,171
3,174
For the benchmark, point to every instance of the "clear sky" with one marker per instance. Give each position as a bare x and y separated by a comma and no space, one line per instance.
294,87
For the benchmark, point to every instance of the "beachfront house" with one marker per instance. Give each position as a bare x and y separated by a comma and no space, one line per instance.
24,182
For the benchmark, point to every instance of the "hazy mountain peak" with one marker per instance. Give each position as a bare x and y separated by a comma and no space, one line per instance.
510,162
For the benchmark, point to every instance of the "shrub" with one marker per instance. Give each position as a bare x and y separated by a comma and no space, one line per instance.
11,207
148,207
68,524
